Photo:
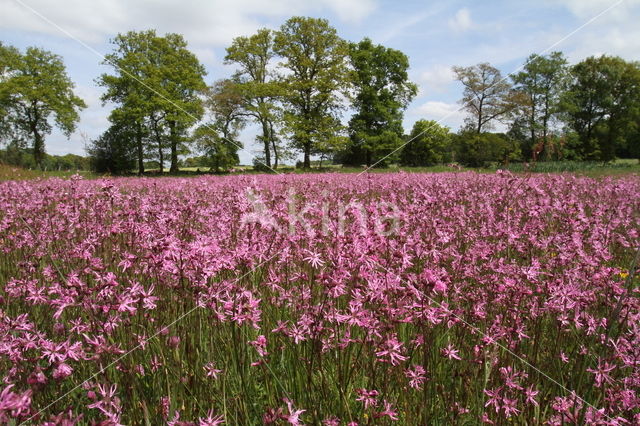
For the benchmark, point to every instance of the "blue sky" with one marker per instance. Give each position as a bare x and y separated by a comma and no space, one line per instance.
434,34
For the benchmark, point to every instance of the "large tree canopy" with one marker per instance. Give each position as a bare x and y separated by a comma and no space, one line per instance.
218,138
36,94
541,83
602,104
486,96
156,85
259,86
314,57
429,144
382,92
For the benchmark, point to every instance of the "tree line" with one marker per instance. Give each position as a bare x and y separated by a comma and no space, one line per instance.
296,83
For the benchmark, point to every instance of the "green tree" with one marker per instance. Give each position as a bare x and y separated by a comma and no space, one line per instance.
482,149
113,151
540,84
157,86
487,96
602,105
178,78
218,139
127,87
36,94
430,144
225,104
258,86
314,57
220,152
382,93
9,56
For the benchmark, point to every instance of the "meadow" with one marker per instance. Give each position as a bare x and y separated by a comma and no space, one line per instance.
329,298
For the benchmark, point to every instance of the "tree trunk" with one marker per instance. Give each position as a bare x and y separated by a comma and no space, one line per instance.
174,147
38,148
275,155
266,140
307,156
38,143
273,146
159,141
479,128
140,150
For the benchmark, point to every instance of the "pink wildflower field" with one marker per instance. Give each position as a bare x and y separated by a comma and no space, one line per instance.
333,299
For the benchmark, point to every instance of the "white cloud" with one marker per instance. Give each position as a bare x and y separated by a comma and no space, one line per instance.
351,11
212,23
614,32
448,114
435,79
461,21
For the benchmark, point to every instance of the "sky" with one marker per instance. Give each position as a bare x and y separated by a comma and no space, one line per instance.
436,35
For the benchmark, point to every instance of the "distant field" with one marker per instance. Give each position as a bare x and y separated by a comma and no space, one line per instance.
618,167
592,169
17,173
621,166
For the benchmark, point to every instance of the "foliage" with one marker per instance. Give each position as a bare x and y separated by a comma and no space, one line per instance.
602,105
259,87
487,95
428,144
382,92
221,152
112,152
481,150
35,89
156,85
541,83
199,161
14,155
314,57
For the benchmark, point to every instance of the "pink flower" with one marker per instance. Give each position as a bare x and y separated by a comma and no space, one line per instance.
14,404
388,411
62,371
109,403
173,342
314,259
416,376
602,373
509,407
368,398
450,352
211,370
531,394
260,344
494,398
37,377
211,420
392,349
294,415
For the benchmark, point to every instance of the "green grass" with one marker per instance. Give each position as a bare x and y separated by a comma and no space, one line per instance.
618,167
586,168
16,173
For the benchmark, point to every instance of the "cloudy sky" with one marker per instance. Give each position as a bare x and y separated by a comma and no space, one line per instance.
434,34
